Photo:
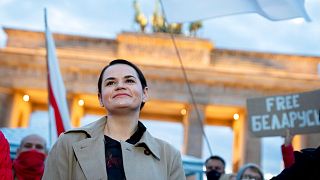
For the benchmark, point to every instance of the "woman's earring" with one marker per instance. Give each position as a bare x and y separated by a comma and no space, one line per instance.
101,104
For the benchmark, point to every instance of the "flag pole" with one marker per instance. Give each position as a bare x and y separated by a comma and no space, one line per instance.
45,18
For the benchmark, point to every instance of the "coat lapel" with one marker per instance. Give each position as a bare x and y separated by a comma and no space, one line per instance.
90,152
150,142
91,156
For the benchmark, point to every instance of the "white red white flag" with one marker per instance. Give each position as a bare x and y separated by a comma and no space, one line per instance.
58,109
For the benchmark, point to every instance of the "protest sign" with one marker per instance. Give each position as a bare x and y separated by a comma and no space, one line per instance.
271,116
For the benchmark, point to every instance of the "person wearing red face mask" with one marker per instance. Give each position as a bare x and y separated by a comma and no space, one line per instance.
31,155
5,161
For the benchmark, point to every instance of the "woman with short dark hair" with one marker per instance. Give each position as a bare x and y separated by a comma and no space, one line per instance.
117,146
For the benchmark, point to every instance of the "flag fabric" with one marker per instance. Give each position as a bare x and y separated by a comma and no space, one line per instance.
190,10
58,110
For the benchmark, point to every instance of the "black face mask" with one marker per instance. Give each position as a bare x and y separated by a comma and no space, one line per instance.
213,175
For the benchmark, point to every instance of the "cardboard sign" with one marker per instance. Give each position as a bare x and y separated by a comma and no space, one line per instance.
271,116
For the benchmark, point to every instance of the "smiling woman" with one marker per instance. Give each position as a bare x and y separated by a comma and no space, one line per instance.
122,85
117,146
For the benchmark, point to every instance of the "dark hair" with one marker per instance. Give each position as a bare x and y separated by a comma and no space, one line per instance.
122,61
216,158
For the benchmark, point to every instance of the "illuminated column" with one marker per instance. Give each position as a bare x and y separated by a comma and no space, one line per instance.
193,131
186,124
312,140
246,148
238,143
298,142
77,111
5,106
252,148
306,141
20,110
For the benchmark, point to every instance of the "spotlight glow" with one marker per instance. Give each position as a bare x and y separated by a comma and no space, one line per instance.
236,116
81,102
26,98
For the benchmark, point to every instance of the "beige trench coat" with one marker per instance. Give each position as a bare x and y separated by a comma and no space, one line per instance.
80,154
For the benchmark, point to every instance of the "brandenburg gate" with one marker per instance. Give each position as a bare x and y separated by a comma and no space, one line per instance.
221,81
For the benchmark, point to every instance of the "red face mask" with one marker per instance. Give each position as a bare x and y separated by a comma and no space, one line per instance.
29,165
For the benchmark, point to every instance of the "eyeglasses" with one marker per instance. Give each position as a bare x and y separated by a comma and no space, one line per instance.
249,177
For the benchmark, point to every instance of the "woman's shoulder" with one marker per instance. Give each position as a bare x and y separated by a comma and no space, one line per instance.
67,139
89,130
80,133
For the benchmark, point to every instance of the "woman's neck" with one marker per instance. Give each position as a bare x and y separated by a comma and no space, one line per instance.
119,127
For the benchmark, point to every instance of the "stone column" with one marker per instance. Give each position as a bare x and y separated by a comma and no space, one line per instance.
238,143
299,142
246,147
252,145
19,111
5,106
306,141
77,111
193,131
253,150
313,140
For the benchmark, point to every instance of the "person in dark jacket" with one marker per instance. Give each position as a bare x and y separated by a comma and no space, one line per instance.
306,166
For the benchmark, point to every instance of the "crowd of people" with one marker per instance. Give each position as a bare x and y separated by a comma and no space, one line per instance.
302,164
215,170
31,154
118,146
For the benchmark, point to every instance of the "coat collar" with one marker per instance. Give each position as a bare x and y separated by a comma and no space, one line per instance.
151,143
96,129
